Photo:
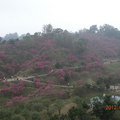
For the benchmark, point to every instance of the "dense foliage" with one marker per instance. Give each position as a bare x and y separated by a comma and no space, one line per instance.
40,73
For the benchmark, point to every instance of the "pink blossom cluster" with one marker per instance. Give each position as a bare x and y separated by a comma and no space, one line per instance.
35,92
8,69
48,44
19,98
60,73
6,91
85,73
13,89
69,71
62,92
2,55
94,66
2,74
93,58
25,64
43,90
9,104
16,99
72,58
96,74
34,50
80,81
49,87
37,82
46,56
44,64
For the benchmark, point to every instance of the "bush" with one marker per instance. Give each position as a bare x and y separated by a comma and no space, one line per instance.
25,113
37,107
35,116
116,116
18,117
81,91
5,113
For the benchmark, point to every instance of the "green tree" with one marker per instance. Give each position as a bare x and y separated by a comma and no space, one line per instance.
76,113
99,107
58,105
58,65
80,46
35,116
57,30
116,116
1,39
37,107
47,29
46,104
109,31
25,113
64,39
18,117
5,113
93,29
11,36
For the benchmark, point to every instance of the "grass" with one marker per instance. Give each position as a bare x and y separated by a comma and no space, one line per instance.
90,81
28,90
66,108
113,66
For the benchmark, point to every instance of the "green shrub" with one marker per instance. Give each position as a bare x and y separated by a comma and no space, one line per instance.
25,113
36,116
18,117
5,114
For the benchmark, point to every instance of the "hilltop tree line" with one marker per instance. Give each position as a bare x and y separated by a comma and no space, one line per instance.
105,29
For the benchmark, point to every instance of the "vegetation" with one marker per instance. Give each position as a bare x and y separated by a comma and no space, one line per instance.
54,74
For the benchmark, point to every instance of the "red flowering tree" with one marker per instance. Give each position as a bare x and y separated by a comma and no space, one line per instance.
13,89
37,82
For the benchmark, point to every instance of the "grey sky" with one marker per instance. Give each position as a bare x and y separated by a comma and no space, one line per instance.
25,16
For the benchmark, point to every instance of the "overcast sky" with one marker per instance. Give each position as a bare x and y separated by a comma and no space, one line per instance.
25,16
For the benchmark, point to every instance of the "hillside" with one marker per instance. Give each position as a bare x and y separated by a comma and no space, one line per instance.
44,51
58,65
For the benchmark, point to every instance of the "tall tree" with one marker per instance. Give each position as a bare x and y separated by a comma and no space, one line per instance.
47,29
93,29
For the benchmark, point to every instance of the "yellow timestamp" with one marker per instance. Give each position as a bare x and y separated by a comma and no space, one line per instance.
112,107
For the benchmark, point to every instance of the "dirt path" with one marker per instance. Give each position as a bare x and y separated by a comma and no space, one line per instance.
26,79
106,61
109,61
30,77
